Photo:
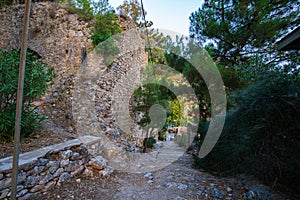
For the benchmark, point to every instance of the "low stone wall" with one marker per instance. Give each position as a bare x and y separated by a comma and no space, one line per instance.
42,169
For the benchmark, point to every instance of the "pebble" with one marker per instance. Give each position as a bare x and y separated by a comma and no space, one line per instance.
229,189
65,154
217,194
55,94
4,193
148,175
58,172
49,185
22,193
42,162
64,163
64,177
5,183
182,186
31,181
78,180
172,184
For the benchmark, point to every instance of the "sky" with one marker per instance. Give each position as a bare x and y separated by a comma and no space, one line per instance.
170,15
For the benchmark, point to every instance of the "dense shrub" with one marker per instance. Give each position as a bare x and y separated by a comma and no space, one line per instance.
100,13
4,3
83,8
105,26
161,135
261,137
37,77
150,141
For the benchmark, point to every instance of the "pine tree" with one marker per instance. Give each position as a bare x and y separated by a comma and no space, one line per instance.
242,30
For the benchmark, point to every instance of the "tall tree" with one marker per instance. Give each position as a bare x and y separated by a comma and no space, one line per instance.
243,30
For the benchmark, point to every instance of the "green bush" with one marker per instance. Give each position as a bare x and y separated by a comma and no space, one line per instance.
150,141
37,77
161,136
83,8
105,26
4,3
261,137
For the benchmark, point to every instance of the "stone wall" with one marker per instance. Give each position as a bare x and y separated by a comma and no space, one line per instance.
42,169
62,40
125,77
112,86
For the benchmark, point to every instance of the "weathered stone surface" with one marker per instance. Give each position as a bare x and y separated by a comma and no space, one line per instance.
148,176
20,187
48,186
217,194
64,177
65,155
76,156
64,163
54,165
97,163
58,172
88,172
107,171
4,183
228,189
79,170
36,188
4,193
61,41
71,166
21,177
44,176
38,169
182,186
42,162
46,179
28,195
22,193
32,181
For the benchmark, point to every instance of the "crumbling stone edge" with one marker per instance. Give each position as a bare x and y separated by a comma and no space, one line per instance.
42,169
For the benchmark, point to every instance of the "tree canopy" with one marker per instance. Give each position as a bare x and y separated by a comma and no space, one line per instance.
132,9
245,30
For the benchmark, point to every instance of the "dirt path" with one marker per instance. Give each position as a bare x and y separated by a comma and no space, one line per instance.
176,181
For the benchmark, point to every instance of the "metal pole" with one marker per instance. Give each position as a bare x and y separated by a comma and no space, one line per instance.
20,100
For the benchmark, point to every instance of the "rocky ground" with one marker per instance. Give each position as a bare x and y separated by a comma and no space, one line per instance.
176,181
